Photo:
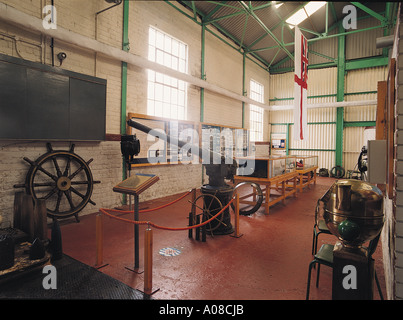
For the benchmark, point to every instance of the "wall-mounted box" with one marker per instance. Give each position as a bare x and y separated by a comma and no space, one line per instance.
377,161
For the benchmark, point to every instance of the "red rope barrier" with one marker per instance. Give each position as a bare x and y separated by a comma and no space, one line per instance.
103,210
152,209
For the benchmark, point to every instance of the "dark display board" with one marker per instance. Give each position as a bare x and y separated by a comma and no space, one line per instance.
40,102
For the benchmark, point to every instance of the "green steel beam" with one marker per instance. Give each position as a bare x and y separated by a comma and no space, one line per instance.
370,12
359,124
333,11
317,150
224,4
326,95
244,93
216,9
322,55
202,71
244,30
363,63
310,67
266,5
194,10
341,70
123,107
125,47
276,26
209,21
367,63
265,28
309,123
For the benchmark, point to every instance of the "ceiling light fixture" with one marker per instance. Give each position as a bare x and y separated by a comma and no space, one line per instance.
304,13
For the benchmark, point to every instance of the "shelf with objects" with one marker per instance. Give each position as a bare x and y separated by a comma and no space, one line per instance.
306,167
278,143
277,177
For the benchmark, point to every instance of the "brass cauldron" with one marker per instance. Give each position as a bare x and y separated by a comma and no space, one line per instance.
353,211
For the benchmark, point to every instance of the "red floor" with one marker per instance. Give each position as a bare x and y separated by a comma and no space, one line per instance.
269,262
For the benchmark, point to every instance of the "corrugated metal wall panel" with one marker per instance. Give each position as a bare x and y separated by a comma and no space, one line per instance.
363,44
327,47
285,116
322,82
363,80
362,113
279,129
281,86
320,136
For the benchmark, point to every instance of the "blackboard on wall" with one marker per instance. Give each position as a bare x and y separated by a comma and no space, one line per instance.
40,102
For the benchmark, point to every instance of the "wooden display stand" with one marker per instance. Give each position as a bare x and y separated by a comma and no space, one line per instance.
307,172
135,185
306,177
284,185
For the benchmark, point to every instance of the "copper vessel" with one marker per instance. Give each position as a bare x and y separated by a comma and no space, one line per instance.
353,211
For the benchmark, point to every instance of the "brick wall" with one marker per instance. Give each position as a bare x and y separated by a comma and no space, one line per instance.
107,28
397,207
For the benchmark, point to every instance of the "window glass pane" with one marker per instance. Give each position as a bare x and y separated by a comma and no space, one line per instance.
159,40
167,60
182,51
175,48
174,96
166,110
167,44
159,77
167,96
150,90
151,36
256,113
159,89
151,53
160,57
150,107
175,63
158,108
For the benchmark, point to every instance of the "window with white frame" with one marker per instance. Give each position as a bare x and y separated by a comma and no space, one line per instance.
255,112
166,96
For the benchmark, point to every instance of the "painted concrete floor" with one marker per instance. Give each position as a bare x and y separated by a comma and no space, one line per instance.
269,262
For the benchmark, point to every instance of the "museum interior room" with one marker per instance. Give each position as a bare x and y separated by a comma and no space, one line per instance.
201,151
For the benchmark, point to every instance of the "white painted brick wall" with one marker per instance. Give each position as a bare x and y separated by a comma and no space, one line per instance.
398,267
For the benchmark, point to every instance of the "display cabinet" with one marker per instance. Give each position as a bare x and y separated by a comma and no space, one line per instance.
306,162
306,168
277,177
266,167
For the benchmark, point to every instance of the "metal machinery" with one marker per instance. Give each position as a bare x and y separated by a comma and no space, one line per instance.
217,190
353,212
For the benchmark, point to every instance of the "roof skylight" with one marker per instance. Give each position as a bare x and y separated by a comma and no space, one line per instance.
301,14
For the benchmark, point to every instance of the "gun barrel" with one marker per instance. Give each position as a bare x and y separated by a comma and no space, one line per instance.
201,152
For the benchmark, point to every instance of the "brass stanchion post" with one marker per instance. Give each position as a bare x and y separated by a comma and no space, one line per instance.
99,241
236,213
148,262
192,213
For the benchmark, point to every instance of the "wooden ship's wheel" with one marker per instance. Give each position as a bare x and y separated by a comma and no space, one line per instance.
63,179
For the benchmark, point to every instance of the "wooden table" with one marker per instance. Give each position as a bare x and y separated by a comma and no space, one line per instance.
306,176
285,185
